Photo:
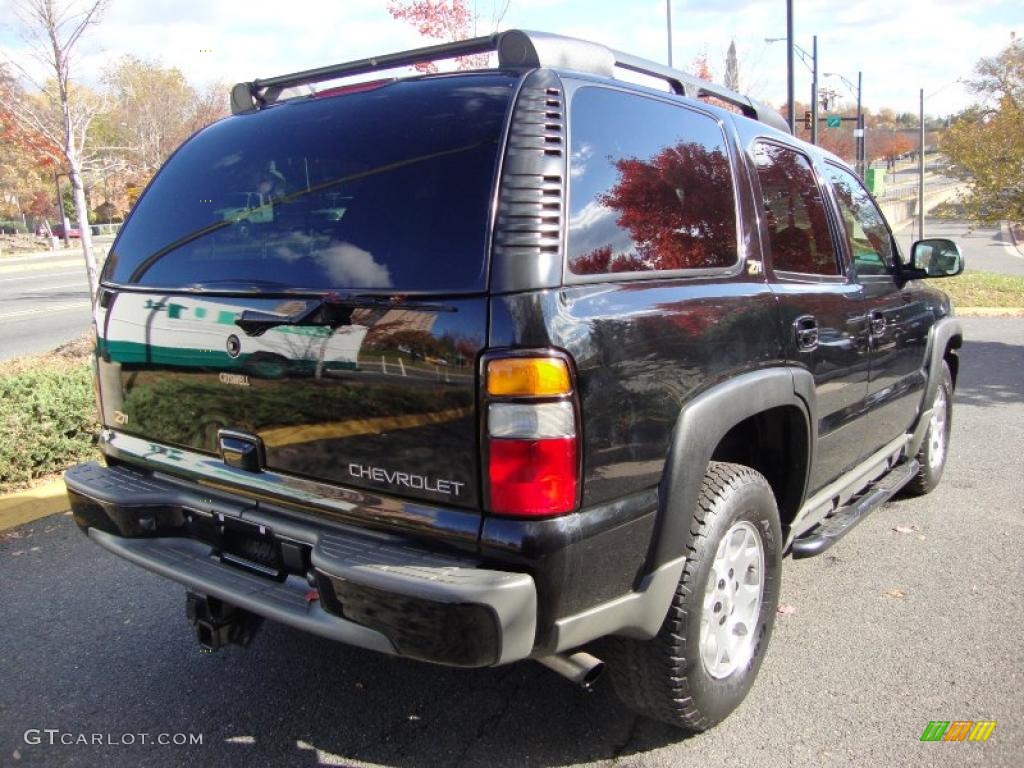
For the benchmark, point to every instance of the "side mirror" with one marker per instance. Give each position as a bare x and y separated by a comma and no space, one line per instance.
936,257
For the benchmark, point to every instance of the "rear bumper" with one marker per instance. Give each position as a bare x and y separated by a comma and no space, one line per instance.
375,591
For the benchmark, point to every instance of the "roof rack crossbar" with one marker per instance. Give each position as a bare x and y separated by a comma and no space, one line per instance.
516,49
264,91
693,87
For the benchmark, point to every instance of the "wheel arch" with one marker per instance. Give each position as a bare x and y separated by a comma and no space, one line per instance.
944,340
718,425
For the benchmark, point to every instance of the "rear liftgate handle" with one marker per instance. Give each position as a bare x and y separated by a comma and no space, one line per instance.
876,319
806,329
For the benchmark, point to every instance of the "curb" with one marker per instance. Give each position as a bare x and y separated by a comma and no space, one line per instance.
25,506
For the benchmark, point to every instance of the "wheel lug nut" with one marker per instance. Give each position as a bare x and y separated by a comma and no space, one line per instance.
718,607
721,583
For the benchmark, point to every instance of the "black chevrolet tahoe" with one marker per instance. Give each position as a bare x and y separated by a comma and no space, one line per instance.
532,362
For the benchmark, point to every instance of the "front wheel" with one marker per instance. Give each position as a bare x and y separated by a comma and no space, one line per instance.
703,661
932,456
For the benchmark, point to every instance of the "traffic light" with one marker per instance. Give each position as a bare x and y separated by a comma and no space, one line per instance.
807,120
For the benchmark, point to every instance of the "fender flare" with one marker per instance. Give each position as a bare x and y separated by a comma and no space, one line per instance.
701,425
943,331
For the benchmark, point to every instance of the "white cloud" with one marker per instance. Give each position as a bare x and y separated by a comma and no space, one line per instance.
899,47
351,267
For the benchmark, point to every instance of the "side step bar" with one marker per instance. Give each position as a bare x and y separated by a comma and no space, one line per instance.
843,520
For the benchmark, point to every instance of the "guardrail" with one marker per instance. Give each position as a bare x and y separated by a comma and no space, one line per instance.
908,191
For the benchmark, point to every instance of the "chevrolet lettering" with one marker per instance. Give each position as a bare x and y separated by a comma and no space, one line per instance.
405,480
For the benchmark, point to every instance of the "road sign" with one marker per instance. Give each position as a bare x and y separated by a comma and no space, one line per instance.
833,121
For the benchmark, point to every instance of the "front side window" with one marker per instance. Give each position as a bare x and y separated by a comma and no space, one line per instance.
794,212
651,187
866,232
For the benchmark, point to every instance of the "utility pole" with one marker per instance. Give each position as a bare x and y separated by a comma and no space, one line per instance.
790,102
668,25
920,175
861,147
814,92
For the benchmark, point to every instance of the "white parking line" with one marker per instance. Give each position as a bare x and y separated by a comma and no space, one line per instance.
53,308
42,276
84,285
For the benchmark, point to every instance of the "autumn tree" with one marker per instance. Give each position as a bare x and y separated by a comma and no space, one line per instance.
678,209
986,142
154,109
59,112
890,146
25,155
448,21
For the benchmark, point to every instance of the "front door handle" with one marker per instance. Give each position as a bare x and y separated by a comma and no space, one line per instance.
806,329
876,320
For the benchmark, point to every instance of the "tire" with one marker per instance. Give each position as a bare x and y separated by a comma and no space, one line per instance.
935,447
668,678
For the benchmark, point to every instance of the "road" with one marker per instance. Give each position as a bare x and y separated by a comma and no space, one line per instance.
915,616
986,248
43,302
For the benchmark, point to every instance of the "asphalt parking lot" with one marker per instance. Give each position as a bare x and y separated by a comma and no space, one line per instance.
915,616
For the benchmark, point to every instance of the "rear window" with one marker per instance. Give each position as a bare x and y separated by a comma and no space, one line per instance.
383,190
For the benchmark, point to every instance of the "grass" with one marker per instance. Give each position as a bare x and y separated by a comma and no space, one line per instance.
47,414
984,289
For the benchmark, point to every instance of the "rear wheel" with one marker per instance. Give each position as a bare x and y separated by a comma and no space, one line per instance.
932,456
703,661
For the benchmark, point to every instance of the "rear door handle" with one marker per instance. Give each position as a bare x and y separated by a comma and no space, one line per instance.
806,329
876,320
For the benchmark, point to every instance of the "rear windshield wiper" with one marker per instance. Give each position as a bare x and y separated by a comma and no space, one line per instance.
330,310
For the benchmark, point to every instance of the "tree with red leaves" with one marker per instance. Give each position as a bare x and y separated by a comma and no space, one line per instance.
678,209
446,20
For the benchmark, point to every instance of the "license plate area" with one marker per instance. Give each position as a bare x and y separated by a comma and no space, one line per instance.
251,547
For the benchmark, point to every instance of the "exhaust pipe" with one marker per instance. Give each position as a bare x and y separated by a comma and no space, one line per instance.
582,668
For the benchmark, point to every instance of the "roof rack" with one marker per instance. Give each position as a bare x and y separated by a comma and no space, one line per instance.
517,49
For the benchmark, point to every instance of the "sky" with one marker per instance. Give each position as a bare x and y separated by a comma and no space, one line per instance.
900,46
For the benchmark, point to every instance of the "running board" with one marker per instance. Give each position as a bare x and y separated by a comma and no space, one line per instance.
833,528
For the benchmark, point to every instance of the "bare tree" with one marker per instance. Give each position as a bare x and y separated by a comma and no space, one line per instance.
61,113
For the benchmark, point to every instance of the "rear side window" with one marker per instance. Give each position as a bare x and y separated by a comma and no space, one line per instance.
651,187
794,212
388,189
866,232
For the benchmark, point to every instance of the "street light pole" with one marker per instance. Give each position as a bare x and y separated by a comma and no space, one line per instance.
668,26
813,68
861,146
859,154
920,175
814,93
790,102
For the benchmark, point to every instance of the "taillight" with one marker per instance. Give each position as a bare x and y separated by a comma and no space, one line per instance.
532,436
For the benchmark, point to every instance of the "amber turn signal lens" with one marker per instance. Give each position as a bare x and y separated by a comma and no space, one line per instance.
528,377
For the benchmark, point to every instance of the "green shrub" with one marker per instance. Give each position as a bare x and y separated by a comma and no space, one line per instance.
12,228
47,421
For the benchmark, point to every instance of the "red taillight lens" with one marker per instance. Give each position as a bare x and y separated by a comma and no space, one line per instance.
532,477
